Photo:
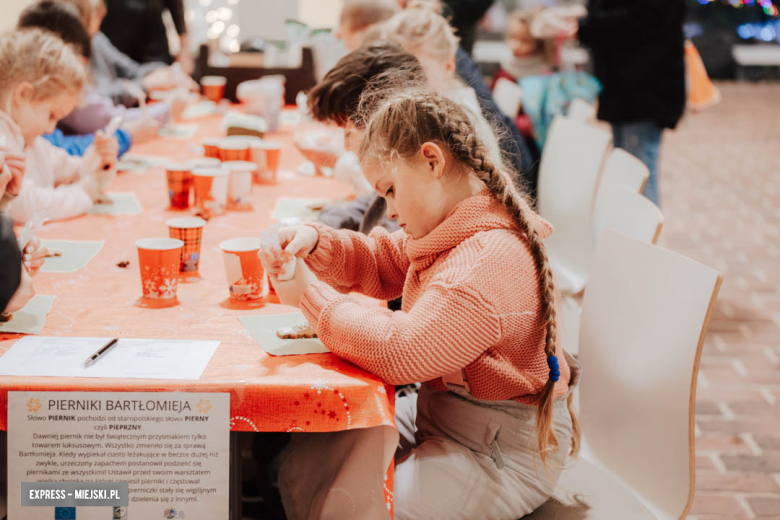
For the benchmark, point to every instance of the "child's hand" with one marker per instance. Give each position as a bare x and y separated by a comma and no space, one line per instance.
12,168
177,102
143,129
34,255
107,147
299,241
23,294
160,79
290,292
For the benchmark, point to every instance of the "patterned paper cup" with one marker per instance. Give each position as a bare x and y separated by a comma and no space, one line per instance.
233,150
213,87
204,162
240,185
211,189
179,184
243,268
190,231
211,147
266,154
159,259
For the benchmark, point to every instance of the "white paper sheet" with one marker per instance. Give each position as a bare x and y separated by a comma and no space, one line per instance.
263,329
130,358
30,318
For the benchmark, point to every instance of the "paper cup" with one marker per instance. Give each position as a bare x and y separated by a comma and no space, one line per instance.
243,268
204,162
159,260
190,231
179,184
211,189
240,185
233,150
213,87
211,147
266,154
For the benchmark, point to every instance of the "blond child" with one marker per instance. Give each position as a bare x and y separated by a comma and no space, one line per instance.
358,17
478,323
528,56
425,33
41,84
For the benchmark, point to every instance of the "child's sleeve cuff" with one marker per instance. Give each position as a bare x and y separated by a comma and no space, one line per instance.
321,259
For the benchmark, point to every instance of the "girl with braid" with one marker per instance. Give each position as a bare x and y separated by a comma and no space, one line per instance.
491,428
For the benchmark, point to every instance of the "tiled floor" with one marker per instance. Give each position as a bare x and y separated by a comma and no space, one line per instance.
720,179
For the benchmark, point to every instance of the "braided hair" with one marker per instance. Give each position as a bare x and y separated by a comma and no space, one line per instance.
410,118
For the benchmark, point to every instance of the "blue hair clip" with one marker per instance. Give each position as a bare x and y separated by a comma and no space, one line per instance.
555,372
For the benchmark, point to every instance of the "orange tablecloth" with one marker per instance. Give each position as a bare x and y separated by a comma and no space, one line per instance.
313,393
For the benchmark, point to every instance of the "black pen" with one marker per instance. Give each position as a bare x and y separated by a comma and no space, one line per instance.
91,359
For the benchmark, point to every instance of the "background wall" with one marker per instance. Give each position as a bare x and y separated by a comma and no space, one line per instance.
9,12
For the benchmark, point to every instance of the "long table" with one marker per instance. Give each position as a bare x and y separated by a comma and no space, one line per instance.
309,393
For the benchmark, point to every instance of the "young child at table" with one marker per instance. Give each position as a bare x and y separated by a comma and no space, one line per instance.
335,100
528,53
359,16
117,75
426,34
41,83
478,323
16,287
94,111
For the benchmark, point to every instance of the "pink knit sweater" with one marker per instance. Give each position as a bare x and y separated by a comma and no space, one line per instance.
471,299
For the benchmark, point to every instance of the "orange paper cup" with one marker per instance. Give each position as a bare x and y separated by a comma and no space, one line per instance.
211,148
243,268
211,188
190,231
179,184
266,154
213,87
159,259
233,150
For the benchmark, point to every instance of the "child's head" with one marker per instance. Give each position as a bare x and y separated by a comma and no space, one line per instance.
419,152
92,13
518,35
358,16
41,81
337,97
424,32
63,20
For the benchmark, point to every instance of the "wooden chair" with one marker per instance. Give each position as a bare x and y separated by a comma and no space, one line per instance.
624,169
573,158
630,213
582,111
644,318
508,97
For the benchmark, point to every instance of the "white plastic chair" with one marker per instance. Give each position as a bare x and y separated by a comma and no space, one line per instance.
644,317
621,209
582,111
508,97
625,169
574,155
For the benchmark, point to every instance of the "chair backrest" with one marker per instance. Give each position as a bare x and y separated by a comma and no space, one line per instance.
573,157
508,96
625,169
582,111
621,209
643,321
